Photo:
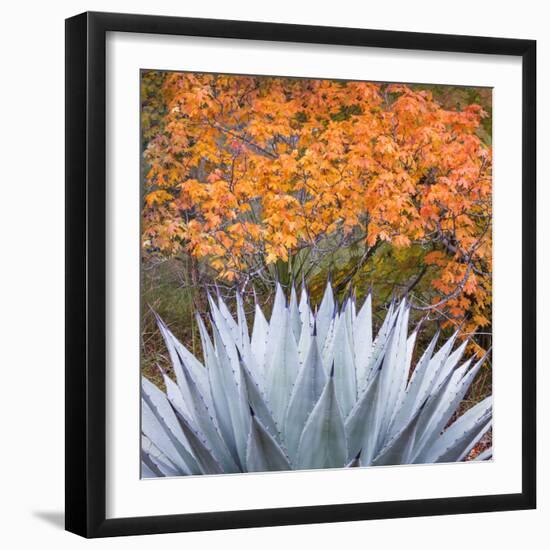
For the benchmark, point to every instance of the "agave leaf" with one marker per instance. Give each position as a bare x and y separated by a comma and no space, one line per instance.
459,438
350,315
463,445
413,399
323,441
277,328
260,332
362,424
432,408
362,339
176,349
306,392
295,320
353,304
411,341
160,425
327,348
222,384
393,374
154,463
209,354
229,337
282,372
325,315
157,402
487,454
174,393
451,362
161,465
344,367
197,410
245,420
202,452
277,319
187,388
307,322
305,342
148,448
354,462
154,431
206,342
234,397
246,347
229,321
241,320
165,466
258,401
181,358
263,453
379,347
147,471
306,316
399,449
428,379
447,402
400,399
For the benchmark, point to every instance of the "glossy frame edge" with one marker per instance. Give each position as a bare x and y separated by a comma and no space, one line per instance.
85,450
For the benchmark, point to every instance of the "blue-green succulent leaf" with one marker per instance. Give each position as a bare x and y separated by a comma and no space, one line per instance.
323,441
487,454
282,371
362,340
362,424
201,450
258,401
161,427
325,315
263,453
461,436
344,367
446,402
398,450
309,385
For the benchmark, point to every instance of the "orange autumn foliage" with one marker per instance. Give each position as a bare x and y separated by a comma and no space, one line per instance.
248,171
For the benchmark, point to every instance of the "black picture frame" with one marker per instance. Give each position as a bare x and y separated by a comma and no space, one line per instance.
86,274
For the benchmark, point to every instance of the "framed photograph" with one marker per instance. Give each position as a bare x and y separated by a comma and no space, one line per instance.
300,274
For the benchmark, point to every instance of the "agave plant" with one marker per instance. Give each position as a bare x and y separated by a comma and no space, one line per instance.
308,390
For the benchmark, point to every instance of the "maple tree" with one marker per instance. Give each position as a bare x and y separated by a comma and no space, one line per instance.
248,174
